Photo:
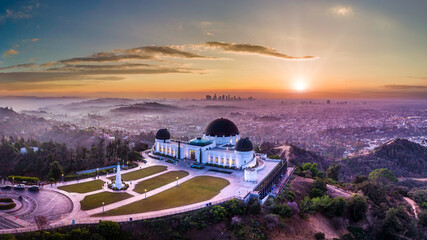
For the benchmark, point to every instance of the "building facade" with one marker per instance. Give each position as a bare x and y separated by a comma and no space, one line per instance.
220,145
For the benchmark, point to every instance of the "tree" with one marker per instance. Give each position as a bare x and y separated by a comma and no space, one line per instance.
333,171
422,218
235,207
56,170
337,207
319,236
382,176
109,229
395,221
218,213
41,222
357,206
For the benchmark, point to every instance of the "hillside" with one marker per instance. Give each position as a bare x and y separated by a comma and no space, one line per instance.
298,156
402,157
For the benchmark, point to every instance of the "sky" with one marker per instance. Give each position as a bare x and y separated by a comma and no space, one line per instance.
175,49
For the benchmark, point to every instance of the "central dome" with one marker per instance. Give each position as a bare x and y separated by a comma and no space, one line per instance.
221,127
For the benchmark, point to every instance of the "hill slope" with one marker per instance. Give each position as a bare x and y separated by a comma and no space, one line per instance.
402,157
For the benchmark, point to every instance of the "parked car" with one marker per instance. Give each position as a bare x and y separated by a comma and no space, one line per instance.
33,188
19,187
6,187
197,165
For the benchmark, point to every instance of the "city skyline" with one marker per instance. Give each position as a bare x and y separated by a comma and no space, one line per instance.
283,49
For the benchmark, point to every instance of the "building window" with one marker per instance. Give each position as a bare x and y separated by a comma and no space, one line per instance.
234,162
161,149
216,160
222,160
211,159
228,161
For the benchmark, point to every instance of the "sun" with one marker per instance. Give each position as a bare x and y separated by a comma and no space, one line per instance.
300,84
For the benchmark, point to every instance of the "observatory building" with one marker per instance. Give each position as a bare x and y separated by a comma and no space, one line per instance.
220,145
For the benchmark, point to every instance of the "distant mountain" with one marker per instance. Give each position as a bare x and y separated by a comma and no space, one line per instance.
404,158
145,107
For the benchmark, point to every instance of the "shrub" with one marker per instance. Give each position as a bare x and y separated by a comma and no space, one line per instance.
359,179
306,205
23,178
333,171
337,207
293,206
382,176
274,157
7,237
108,229
283,210
253,207
218,213
314,192
320,184
7,206
319,236
422,218
6,200
271,221
235,207
357,206
79,234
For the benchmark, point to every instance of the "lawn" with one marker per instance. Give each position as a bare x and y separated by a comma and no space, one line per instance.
159,181
141,173
83,187
195,190
95,200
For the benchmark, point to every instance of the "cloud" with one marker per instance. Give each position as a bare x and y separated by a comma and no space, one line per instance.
254,49
25,65
35,39
10,52
118,63
10,14
160,50
418,78
406,87
342,11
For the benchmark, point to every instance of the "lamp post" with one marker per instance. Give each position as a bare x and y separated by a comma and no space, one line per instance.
102,207
177,181
13,180
97,169
62,178
145,194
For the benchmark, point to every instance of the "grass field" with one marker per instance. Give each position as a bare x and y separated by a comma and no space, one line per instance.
195,190
95,200
142,173
159,181
83,187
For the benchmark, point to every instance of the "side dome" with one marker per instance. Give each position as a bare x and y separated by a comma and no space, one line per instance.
163,134
244,145
221,127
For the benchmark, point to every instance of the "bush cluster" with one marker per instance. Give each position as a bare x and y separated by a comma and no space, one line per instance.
23,179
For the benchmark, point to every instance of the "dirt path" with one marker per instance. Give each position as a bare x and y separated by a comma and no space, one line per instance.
413,205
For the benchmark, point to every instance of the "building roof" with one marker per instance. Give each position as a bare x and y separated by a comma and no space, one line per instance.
244,145
163,134
199,142
221,127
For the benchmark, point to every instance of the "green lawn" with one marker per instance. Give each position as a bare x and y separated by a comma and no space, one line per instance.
83,187
195,190
159,181
142,173
95,200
